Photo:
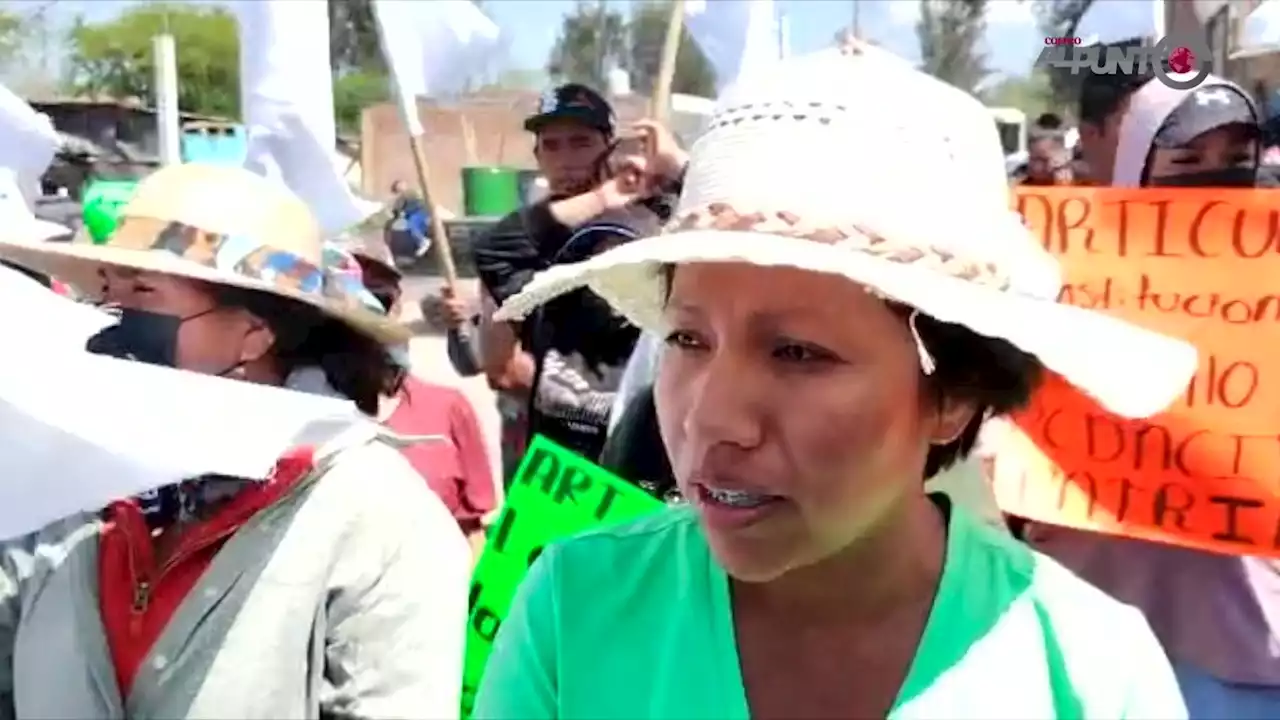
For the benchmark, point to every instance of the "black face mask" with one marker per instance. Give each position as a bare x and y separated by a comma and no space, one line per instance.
1237,177
142,336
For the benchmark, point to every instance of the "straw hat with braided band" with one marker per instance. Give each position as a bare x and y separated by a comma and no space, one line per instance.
851,162
222,225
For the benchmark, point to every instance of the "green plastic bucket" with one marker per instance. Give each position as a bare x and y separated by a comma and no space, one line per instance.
490,191
101,202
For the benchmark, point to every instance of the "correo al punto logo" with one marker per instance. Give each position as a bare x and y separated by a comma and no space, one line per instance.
1181,61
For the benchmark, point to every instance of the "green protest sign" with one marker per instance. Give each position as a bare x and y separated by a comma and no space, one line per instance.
102,201
555,494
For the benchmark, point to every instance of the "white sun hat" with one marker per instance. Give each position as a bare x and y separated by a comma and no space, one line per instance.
848,163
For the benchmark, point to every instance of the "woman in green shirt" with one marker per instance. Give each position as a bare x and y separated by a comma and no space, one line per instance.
831,343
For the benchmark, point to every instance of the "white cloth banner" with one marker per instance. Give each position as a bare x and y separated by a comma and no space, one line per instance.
432,48
80,430
16,218
27,142
286,87
736,36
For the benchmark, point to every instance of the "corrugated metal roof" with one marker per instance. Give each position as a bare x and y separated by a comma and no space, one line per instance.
132,104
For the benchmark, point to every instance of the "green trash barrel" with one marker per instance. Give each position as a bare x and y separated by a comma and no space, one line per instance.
101,202
490,191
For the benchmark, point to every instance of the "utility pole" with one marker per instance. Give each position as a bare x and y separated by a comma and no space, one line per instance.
602,52
857,19
39,16
168,125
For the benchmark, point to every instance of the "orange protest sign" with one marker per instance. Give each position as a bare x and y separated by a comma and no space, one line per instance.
1200,265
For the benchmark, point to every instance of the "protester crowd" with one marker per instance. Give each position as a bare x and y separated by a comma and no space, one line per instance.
765,331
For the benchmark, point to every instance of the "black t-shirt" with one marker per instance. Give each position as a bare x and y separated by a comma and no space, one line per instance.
579,343
634,449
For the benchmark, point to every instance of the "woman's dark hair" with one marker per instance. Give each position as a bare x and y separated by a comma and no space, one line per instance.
357,366
991,373
1049,121
381,281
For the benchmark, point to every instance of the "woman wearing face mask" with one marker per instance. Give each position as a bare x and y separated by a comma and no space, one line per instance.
828,347
1204,137
315,592
1217,616
1137,132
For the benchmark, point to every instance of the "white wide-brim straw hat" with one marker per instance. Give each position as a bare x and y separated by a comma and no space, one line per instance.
851,162
221,225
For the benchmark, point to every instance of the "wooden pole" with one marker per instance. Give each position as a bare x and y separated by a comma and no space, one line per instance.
439,240
468,139
661,102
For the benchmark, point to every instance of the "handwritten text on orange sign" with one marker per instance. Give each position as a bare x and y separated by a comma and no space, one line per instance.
1204,266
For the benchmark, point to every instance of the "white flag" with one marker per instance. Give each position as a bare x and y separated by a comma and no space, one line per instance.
735,35
82,430
16,218
27,142
286,88
432,47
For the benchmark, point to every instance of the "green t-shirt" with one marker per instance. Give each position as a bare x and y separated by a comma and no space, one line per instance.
636,622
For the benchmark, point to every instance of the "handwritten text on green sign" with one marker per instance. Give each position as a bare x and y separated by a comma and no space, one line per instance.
555,494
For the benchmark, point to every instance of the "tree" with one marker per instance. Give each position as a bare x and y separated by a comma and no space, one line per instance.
647,32
592,39
353,36
950,32
1031,94
13,38
1061,18
516,79
353,92
114,58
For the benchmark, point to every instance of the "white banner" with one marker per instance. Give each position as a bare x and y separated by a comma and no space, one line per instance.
286,87
80,430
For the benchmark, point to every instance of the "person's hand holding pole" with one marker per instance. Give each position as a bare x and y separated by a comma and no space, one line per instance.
631,180
667,159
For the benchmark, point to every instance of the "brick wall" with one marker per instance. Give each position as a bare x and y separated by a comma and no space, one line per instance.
496,120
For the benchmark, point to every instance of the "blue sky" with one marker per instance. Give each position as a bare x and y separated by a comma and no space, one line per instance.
1013,41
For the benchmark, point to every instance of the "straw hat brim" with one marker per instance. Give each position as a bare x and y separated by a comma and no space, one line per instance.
1130,370
78,264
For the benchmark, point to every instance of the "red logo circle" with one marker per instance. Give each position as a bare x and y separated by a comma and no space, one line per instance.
1182,60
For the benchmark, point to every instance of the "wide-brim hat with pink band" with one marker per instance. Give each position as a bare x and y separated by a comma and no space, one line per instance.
221,225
